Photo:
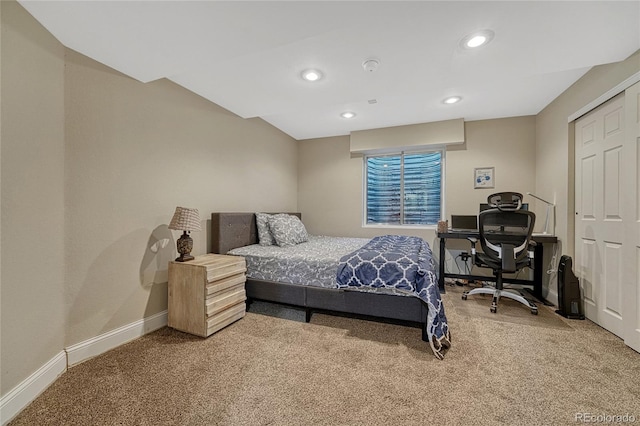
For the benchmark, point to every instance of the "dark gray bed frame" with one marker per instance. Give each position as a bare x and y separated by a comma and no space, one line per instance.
233,230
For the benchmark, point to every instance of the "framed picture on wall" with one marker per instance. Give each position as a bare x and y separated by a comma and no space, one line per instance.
483,177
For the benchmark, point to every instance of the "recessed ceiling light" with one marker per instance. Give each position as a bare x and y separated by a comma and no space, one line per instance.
477,39
348,114
452,100
311,75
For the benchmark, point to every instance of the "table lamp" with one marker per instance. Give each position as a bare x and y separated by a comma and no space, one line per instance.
186,220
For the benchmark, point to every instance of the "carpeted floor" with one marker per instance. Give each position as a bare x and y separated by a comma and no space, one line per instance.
271,368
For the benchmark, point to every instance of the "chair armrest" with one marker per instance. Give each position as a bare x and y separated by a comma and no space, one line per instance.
532,245
473,241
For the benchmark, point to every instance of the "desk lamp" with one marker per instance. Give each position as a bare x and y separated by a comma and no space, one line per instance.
187,220
550,209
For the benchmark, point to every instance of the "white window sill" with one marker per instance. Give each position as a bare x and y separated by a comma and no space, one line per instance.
405,227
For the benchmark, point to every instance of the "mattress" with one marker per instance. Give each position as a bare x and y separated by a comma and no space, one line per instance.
312,263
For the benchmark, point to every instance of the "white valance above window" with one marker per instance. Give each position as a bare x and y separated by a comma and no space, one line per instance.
407,138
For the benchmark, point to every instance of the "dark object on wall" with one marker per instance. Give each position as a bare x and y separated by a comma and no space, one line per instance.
569,300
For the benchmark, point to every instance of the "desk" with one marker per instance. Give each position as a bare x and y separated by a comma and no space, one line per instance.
537,261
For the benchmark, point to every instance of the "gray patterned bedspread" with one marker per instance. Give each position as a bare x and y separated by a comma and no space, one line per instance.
404,263
313,262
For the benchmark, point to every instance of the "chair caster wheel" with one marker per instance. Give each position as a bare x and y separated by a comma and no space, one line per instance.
494,309
534,311
464,296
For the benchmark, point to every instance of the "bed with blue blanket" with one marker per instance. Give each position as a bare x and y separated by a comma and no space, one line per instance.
390,277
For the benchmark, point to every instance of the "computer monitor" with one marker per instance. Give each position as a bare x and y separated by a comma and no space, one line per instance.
464,222
485,206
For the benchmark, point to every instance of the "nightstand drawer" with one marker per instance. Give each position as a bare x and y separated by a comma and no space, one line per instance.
224,284
224,266
224,299
225,318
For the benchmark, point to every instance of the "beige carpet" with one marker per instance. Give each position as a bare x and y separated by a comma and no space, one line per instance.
271,368
509,311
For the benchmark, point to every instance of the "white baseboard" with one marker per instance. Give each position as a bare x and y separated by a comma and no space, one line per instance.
552,297
100,344
19,397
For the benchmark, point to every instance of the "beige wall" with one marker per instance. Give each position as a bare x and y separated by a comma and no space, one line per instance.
93,165
135,152
330,185
32,310
508,144
555,146
1,390
413,136
555,150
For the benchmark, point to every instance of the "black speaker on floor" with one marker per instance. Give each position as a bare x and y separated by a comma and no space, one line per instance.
569,300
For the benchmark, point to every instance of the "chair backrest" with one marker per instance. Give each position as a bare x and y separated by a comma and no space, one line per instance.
505,234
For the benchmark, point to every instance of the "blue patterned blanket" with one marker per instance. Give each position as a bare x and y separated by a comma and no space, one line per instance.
404,263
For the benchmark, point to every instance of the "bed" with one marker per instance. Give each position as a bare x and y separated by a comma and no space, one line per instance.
238,233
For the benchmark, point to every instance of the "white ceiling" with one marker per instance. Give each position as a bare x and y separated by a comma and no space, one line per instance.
247,56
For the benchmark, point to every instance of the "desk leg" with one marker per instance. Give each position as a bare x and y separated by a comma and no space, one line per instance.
441,271
538,260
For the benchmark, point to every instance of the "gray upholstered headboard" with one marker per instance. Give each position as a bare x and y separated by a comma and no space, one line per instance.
233,230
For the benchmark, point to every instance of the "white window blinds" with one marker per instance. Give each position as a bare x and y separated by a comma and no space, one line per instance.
404,189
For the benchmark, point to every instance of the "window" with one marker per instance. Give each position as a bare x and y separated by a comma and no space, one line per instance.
404,189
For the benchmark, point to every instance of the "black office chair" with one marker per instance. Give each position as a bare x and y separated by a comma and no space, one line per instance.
505,237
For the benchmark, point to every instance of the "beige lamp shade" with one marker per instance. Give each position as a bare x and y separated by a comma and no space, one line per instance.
185,219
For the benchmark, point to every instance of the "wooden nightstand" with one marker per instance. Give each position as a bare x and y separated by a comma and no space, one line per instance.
207,293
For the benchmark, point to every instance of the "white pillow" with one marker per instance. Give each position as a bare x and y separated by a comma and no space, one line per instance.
287,230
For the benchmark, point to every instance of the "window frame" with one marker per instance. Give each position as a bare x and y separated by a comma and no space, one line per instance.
432,149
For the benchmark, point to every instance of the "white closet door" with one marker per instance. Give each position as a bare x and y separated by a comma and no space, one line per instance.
600,242
631,178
